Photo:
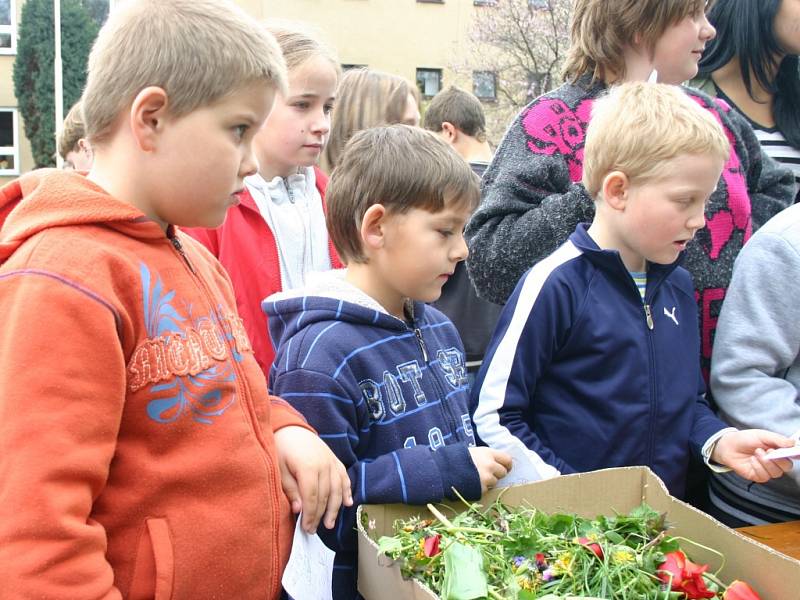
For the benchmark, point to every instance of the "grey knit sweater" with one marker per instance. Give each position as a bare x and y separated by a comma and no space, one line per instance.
755,369
532,199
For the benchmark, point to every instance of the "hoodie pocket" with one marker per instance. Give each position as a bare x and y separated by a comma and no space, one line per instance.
153,568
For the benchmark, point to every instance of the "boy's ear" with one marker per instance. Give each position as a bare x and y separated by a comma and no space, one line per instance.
615,190
372,227
450,132
148,115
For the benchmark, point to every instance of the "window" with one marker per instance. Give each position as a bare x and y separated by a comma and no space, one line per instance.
8,27
9,142
539,4
485,2
349,66
429,82
432,1
484,85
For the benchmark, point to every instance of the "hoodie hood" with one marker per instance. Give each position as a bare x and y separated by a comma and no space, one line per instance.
49,198
328,296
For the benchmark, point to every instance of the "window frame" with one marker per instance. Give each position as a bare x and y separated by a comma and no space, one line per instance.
11,150
438,71
10,29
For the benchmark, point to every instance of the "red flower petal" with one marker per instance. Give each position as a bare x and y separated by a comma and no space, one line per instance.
431,547
739,590
593,546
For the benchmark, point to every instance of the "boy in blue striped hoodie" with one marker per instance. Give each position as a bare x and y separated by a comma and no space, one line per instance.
595,359
378,373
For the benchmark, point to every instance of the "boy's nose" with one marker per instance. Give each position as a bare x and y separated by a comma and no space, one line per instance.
461,251
249,164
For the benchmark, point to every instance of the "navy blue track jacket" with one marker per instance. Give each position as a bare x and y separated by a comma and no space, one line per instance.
581,374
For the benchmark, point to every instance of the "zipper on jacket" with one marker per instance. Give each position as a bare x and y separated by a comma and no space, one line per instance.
418,333
176,243
649,316
250,413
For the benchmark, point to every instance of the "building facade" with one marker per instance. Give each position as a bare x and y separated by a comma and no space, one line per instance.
418,39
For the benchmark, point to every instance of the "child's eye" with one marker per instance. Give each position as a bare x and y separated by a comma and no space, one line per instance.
328,109
445,232
239,131
302,105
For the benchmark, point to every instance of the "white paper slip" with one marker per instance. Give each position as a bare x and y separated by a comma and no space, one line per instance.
309,573
775,453
526,467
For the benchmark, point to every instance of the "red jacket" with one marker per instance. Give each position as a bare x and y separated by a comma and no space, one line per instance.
246,247
137,456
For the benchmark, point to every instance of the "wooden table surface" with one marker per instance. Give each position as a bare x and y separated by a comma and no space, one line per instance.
784,537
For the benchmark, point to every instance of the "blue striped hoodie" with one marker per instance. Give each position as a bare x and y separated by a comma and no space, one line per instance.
582,375
390,398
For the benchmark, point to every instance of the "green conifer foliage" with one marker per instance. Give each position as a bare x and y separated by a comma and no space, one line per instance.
33,68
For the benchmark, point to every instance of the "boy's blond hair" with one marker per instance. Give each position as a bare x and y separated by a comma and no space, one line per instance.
198,51
299,43
400,167
366,98
71,131
637,127
600,30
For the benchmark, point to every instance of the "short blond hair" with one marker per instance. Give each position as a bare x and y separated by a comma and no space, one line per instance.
366,98
72,131
400,167
600,30
198,51
636,127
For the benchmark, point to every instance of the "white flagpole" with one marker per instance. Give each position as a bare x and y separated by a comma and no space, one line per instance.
59,88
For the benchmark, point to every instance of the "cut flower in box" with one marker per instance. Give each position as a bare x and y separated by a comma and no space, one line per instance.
635,505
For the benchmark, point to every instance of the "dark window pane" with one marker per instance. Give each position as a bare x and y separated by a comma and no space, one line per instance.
6,128
484,85
6,161
5,40
5,12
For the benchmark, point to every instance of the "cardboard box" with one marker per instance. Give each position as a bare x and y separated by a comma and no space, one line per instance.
773,575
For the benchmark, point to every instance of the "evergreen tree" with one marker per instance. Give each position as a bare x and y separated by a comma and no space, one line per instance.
33,68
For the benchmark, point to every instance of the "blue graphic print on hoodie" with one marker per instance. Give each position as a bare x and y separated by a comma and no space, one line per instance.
389,397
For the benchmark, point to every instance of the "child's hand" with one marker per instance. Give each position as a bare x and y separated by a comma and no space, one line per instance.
743,451
492,465
313,479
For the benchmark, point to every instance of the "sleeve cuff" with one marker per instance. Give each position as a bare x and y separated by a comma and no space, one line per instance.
283,415
708,449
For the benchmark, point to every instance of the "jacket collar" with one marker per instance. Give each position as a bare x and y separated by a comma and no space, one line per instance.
610,261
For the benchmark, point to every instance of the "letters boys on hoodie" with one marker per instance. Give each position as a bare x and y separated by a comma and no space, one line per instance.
137,455
389,397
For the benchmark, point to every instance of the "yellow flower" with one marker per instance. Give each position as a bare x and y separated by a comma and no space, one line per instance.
563,565
421,550
620,557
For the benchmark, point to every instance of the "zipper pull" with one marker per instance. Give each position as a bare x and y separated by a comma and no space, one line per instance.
418,333
649,316
176,243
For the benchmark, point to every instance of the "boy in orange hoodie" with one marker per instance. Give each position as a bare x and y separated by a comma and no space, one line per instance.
140,454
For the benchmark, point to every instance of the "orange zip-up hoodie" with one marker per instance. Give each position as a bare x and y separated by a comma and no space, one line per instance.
137,456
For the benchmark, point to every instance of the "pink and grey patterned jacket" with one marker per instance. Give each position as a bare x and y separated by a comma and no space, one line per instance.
532,199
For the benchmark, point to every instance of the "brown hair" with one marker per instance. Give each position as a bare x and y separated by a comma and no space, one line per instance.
600,30
400,167
637,127
71,131
198,51
460,108
366,98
